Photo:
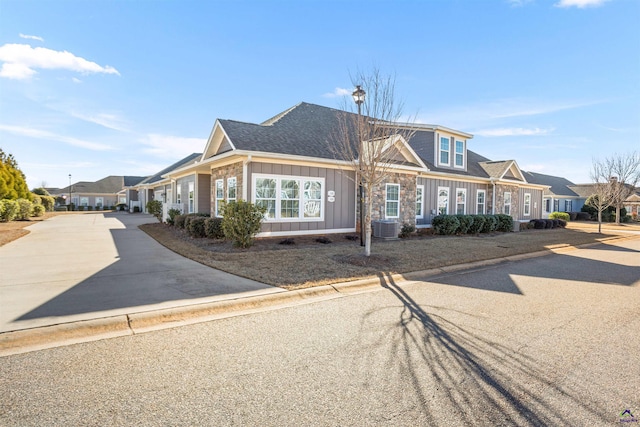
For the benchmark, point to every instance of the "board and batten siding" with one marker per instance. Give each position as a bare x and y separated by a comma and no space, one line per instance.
203,202
339,215
431,196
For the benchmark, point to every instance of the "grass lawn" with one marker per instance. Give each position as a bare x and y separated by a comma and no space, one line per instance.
310,263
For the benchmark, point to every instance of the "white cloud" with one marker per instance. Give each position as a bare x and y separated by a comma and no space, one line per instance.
21,60
26,36
172,147
110,121
76,80
580,3
43,134
513,132
518,3
337,93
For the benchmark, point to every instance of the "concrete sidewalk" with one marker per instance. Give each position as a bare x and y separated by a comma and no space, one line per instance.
80,267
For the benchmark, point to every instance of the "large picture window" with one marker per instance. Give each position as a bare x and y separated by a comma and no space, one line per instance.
461,201
289,198
481,197
443,200
392,201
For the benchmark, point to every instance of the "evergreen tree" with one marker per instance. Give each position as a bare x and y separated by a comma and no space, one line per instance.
13,184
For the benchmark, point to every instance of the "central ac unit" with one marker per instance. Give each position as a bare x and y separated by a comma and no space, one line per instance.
385,229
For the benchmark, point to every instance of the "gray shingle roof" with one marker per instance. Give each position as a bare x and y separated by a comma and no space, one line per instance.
182,162
559,186
109,185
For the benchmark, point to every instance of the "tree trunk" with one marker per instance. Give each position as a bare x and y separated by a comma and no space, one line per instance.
368,204
618,215
599,221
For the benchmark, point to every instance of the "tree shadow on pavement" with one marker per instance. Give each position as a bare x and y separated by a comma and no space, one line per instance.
459,376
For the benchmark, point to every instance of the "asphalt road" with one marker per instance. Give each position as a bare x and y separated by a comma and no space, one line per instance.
545,341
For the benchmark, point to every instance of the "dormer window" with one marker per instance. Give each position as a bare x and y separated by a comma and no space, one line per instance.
444,151
459,162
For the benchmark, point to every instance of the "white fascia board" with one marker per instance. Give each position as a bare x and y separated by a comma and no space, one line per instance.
217,125
424,126
454,177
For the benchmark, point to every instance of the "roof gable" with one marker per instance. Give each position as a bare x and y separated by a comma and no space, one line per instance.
503,169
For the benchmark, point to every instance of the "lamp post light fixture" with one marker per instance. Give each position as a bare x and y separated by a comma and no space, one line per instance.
69,191
358,97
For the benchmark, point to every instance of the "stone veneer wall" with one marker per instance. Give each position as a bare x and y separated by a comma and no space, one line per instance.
407,198
229,171
515,199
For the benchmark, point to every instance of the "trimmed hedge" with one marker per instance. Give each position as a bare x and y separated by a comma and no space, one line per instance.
213,228
560,215
196,226
8,210
471,224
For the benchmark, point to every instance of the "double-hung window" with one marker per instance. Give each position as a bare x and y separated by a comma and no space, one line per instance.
547,205
481,197
219,196
232,190
568,205
178,193
392,201
527,204
443,200
420,201
444,151
287,198
507,203
461,201
192,196
459,146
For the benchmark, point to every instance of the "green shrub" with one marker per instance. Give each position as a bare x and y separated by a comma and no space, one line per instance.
173,212
406,230
477,225
89,208
242,221
466,221
490,224
196,227
560,215
48,202
213,228
180,221
445,224
38,210
8,210
505,223
154,207
24,209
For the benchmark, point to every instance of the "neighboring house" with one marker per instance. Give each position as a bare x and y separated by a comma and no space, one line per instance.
289,164
559,197
188,192
100,194
631,204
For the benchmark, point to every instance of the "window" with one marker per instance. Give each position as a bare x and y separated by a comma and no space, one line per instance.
527,204
289,198
459,153
122,199
507,203
392,201
461,201
420,201
568,205
99,202
219,196
84,201
178,193
556,205
443,200
444,151
547,205
232,189
191,197
481,197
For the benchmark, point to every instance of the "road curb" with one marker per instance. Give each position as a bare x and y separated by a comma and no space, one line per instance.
27,340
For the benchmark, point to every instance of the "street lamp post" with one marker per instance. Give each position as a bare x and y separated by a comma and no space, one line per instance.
358,97
69,191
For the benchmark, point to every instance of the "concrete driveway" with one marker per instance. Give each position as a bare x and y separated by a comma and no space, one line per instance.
80,267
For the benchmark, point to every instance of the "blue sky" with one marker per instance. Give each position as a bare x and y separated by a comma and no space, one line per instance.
98,88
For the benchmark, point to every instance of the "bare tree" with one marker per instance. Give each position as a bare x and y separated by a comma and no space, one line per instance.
604,188
625,172
371,141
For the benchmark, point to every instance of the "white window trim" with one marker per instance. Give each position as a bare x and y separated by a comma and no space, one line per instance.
484,201
192,197
218,199
526,208
302,179
447,189
440,150
420,212
178,193
464,153
464,204
235,185
386,192
505,204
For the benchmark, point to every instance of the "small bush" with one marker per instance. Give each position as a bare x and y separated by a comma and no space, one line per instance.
24,209
287,241
196,227
154,207
538,224
490,224
562,223
324,240
559,215
573,216
38,210
505,223
583,216
477,225
466,221
406,230
173,212
180,221
242,221
213,228
445,224
8,210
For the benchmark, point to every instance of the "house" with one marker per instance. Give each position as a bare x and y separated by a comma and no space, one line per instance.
289,164
560,196
100,194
